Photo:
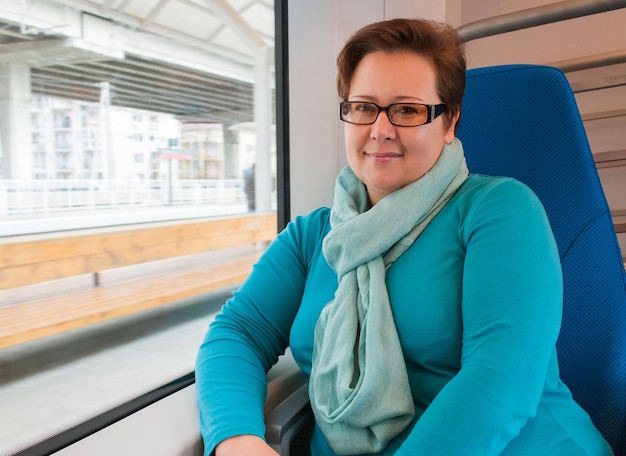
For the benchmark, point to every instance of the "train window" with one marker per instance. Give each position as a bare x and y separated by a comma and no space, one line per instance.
137,186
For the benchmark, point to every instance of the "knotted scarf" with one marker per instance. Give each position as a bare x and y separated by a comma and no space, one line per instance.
359,385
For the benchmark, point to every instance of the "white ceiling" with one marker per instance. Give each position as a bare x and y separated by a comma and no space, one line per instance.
225,26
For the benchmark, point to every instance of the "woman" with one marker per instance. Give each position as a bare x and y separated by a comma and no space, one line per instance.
423,308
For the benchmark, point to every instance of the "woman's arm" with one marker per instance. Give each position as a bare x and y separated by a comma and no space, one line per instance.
511,313
249,334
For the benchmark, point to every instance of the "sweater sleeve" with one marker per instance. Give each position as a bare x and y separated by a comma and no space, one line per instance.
249,334
511,314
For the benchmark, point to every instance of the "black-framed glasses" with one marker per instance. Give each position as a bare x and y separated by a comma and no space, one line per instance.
399,114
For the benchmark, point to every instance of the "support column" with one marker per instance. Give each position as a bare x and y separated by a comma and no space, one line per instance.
263,129
15,122
108,158
231,153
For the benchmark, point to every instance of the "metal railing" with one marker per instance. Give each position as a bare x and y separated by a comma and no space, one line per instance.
540,15
548,14
32,197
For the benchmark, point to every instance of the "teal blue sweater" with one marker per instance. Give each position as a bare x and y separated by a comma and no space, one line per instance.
477,304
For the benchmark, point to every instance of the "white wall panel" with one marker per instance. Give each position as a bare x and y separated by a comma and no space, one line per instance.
435,9
317,30
169,427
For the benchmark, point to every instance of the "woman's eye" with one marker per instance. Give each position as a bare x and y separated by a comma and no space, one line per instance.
364,107
408,110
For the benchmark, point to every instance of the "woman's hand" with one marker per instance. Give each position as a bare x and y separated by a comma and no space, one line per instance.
244,445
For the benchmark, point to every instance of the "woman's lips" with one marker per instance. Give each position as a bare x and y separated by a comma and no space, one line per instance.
383,157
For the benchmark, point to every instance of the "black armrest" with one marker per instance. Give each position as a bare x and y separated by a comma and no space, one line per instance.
287,409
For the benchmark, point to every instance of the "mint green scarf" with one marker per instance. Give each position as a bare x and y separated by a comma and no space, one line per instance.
359,387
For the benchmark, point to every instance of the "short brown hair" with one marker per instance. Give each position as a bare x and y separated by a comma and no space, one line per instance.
437,41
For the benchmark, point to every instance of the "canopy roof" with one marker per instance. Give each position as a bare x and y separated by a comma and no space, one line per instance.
192,58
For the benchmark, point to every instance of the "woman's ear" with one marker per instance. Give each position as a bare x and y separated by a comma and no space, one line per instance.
450,132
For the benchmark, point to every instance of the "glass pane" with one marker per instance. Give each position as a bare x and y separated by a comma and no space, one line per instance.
137,185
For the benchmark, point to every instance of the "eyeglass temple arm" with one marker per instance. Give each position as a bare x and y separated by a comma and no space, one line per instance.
436,110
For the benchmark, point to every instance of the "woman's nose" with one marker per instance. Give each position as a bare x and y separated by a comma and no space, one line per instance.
383,129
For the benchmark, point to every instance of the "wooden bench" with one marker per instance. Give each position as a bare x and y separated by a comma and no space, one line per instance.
48,259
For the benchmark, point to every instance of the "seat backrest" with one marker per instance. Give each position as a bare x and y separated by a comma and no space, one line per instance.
522,121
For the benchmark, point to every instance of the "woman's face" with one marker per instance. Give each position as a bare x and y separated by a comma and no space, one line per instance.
383,156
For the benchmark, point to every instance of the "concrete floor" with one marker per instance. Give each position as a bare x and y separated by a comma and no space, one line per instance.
52,384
